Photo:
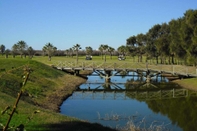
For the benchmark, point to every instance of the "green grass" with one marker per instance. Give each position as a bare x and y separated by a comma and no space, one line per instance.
190,83
45,90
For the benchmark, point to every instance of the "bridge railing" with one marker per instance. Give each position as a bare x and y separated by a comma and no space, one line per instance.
173,69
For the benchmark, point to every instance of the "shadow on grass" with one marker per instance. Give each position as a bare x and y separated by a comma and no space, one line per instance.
75,126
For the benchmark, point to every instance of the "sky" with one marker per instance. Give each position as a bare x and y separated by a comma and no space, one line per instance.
65,23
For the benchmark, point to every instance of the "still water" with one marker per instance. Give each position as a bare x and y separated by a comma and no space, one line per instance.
129,100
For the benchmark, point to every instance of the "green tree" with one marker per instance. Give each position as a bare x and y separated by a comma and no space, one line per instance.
30,52
2,49
89,50
163,42
101,50
111,50
49,49
176,48
152,35
123,50
105,49
22,46
140,45
14,50
7,52
132,46
76,48
188,27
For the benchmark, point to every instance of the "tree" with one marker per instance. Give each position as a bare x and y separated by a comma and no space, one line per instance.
76,48
30,52
67,52
176,48
152,35
163,42
14,50
132,45
122,50
50,49
103,49
7,51
140,45
2,49
22,46
89,50
111,50
188,35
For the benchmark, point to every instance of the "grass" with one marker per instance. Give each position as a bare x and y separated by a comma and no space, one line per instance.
45,90
188,83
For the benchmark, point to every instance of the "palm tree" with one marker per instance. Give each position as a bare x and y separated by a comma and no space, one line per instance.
89,50
14,50
123,50
76,48
111,50
7,51
101,50
22,46
50,49
30,52
2,49
105,49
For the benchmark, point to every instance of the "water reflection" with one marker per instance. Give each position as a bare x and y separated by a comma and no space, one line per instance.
130,98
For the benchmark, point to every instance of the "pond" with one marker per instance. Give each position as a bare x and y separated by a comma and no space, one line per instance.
128,100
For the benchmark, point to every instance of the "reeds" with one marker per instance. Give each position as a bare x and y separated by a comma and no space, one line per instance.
134,122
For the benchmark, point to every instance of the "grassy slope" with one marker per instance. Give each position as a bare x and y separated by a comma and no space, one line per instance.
46,87
188,83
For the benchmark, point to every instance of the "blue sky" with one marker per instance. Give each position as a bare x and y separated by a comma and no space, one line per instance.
65,23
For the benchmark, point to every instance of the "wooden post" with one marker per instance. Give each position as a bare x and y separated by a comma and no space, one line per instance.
107,77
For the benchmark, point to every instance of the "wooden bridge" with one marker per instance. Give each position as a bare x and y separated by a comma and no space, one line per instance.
104,69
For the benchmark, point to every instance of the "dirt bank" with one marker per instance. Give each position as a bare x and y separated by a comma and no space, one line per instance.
55,99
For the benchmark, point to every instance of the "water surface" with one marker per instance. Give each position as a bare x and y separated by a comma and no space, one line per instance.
167,106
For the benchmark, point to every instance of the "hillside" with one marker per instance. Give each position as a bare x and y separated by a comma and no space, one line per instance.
45,90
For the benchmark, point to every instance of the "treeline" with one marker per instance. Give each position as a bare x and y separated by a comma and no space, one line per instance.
168,41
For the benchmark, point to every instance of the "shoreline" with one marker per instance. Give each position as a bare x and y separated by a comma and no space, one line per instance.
71,83
56,99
